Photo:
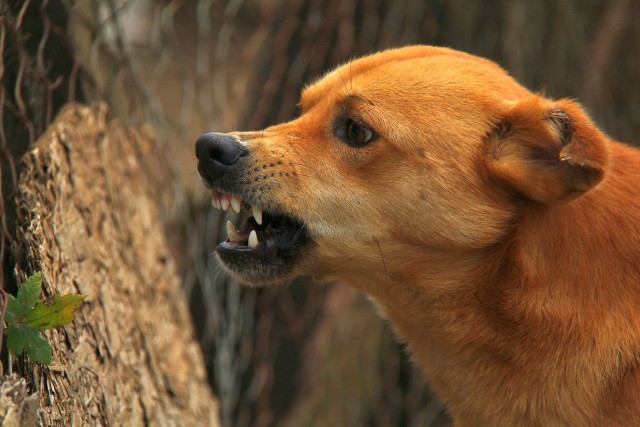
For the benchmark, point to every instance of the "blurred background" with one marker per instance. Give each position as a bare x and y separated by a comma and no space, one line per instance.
310,354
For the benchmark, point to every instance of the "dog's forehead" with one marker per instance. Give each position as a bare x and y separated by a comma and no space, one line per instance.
376,68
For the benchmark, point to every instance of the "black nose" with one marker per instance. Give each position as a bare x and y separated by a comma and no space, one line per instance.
217,153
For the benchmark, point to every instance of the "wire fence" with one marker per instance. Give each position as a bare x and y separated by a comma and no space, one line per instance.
177,69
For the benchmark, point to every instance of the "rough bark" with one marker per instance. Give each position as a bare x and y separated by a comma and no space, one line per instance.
88,219
17,408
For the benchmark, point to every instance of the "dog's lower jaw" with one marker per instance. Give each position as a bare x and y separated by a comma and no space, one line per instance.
256,271
252,274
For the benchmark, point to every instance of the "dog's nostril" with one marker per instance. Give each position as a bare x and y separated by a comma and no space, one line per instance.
216,152
215,155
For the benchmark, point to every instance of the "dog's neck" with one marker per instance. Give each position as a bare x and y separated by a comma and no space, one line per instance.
416,286
451,316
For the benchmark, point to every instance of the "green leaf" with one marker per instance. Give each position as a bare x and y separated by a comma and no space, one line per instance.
28,294
14,312
22,337
30,290
58,312
26,313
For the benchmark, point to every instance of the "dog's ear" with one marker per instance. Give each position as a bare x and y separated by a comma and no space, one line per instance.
546,151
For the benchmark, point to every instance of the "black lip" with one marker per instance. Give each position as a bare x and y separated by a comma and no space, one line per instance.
283,240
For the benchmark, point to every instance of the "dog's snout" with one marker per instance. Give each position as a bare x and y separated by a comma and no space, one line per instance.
216,153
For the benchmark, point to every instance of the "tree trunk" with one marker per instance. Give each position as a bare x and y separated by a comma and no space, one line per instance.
88,219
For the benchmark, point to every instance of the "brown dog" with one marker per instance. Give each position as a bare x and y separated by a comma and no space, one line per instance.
499,231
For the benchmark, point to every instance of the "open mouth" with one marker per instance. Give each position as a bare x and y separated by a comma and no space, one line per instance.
265,248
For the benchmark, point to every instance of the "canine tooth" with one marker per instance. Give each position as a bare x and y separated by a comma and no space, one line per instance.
233,234
257,214
253,239
225,204
235,204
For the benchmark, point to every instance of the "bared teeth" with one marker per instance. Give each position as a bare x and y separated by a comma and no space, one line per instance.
253,239
225,201
215,200
257,214
232,233
236,203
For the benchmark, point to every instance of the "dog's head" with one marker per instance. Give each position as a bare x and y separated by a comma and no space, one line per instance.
409,150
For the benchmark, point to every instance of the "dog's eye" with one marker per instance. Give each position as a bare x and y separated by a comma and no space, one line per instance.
357,134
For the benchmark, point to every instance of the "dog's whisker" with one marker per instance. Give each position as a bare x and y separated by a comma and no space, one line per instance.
384,264
350,76
286,151
302,164
306,176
